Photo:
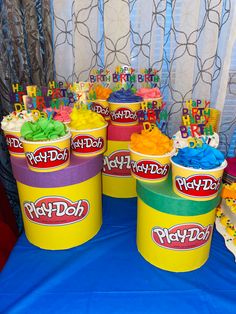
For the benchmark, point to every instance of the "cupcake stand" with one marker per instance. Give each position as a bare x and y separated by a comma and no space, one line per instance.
60,209
116,176
173,233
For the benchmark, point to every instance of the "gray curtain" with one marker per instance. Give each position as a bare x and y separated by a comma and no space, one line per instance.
26,56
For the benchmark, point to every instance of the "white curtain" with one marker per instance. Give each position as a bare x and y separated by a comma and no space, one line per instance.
191,43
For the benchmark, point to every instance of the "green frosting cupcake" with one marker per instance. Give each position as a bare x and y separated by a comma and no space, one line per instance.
43,130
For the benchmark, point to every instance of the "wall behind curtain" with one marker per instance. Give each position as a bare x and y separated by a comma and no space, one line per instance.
189,42
25,56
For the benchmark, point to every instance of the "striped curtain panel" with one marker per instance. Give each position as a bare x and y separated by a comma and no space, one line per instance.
26,56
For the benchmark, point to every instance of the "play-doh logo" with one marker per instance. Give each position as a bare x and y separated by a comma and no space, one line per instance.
48,157
123,115
55,210
188,236
14,144
117,164
198,185
100,109
87,144
149,169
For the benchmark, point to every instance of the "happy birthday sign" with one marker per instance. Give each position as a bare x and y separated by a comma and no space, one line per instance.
40,98
17,92
124,75
195,116
153,113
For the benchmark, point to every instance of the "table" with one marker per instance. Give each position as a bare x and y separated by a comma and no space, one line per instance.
108,275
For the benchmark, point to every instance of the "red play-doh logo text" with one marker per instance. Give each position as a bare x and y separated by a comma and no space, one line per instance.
100,109
198,185
186,236
14,144
87,144
48,157
117,164
55,210
123,115
149,169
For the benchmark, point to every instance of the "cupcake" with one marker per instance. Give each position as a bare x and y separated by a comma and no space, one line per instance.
150,154
123,106
11,125
46,144
100,104
197,172
88,131
151,96
62,114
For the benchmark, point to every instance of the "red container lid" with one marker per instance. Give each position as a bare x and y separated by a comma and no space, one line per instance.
122,133
79,170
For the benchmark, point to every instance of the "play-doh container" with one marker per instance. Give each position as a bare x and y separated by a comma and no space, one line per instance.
124,113
47,156
173,233
150,168
14,143
116,175
101,106
197,184
62,209
87,143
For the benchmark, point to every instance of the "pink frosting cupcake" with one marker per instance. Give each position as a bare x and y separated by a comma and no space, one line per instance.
149,93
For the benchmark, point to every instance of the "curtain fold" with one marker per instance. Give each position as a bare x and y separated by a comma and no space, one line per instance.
26,56
64,50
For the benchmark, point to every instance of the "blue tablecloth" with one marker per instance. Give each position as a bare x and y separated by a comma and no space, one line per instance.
108,275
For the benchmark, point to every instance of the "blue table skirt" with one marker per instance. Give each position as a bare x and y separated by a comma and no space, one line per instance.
108,275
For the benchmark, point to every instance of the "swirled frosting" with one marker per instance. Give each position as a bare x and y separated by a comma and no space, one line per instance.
205,157
149,93
83,119
124,96
151,143
63,114
15,120
102,92
43,130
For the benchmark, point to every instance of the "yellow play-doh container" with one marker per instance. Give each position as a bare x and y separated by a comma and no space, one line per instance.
87,143
63,209
47,156
150,168
101,106
197,184
124,113
116,175
14,143
173,233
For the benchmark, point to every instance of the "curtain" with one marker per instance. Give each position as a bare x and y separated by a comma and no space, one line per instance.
26,56
191,43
